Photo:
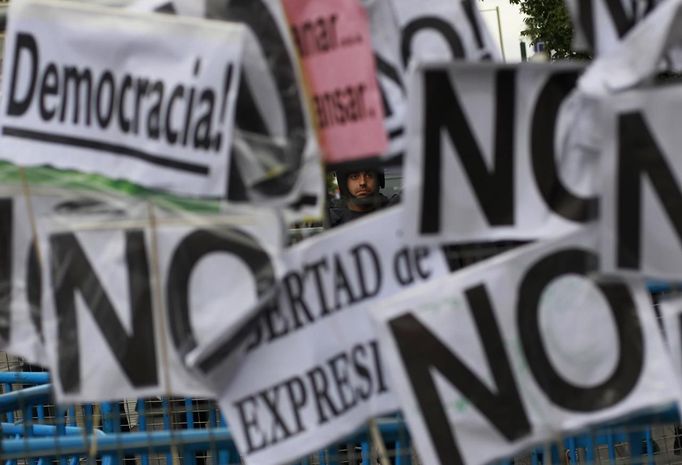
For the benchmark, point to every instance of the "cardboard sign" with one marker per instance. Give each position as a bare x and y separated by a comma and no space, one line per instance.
116,326
324,376
155,106
521,348
490,155
334,45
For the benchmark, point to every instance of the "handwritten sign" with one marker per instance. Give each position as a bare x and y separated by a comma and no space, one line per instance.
334,44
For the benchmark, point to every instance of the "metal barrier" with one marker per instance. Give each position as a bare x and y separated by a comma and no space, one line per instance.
32,428
192,431
35,431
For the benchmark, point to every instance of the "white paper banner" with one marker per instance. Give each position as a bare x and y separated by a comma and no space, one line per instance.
516,350
117,328
489,156
312,372
155,106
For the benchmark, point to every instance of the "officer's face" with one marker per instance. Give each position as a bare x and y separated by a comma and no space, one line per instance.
362,184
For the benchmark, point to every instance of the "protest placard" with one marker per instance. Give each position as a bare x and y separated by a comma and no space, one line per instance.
154,107
518,349
128,294
334,46
324,375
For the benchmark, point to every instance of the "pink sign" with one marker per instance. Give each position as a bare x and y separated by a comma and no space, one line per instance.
334,44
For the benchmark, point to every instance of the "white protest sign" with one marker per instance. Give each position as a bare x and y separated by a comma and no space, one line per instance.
155,106
637,138
276,159
642,215
443,30
521,348
600,24
486,158
312,372
275,139
116,326
405,30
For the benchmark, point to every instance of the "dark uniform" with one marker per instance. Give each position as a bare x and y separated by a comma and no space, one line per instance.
339,213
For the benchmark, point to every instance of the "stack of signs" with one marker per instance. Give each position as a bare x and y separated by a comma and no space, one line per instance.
129,293
324,376
123,298
161,117
516,350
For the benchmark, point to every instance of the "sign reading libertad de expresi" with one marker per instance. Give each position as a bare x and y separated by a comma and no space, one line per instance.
155,106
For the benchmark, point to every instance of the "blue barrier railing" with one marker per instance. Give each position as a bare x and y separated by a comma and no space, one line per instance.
26,432
110,444
65,439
